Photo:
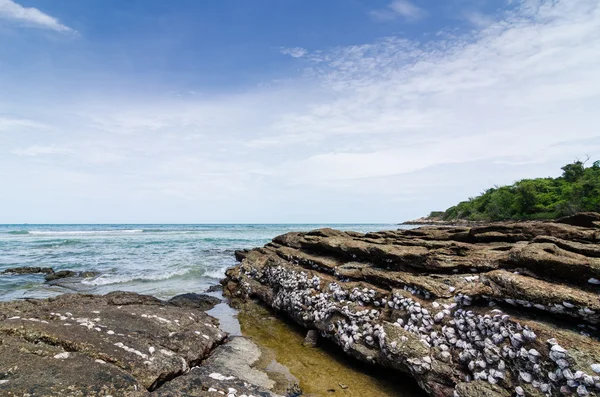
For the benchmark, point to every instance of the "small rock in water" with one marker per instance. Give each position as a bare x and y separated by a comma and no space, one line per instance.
311,339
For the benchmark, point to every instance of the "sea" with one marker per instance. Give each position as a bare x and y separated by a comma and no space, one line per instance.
159,260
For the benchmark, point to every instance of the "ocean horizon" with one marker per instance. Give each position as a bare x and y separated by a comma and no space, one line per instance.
162,260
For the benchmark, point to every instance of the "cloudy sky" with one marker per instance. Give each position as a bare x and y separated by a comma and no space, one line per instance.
304,111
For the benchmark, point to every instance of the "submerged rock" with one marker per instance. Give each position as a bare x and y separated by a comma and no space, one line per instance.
51,275
311,339
119,344
488,310
28,270
229,370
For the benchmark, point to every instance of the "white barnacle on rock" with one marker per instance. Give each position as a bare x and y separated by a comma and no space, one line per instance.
516,340
568,305
525,376
533,355
582,391
529,334
218,376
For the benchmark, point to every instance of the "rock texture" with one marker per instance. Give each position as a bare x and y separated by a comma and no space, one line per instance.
506,309
120,344
51,275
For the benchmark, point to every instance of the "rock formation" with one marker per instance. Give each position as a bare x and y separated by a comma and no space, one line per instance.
505,309
123,344
51,275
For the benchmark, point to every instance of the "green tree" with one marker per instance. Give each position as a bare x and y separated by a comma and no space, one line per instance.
572,172
577,189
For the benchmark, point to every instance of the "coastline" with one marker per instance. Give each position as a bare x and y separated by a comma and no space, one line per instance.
383,305
469,310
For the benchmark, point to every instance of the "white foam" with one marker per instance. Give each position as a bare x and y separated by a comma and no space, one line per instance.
84,232
215,273
107,279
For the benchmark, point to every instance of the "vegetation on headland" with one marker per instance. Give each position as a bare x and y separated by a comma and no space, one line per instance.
576,190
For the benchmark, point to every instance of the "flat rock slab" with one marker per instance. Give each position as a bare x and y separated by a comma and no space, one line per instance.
121,344
229,370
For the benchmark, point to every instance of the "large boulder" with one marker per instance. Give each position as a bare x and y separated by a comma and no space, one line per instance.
499,309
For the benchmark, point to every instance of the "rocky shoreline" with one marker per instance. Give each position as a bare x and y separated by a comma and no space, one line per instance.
491,310
427,221
125,344
506,309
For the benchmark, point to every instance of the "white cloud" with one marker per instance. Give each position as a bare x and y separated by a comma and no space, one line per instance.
296,52
478,19
525,82
36,150
12,124
399,8
30,16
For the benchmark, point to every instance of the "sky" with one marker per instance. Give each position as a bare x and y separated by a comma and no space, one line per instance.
287,111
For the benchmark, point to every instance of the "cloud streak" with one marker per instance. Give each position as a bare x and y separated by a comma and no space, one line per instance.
399,9
37,150
29,16
294,52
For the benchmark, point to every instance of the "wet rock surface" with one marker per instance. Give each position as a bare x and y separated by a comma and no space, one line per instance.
119,344
51,275
196,301
504,309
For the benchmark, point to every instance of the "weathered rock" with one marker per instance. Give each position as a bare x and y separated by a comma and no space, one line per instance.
229,370
69,273
488,310
28,270
585,219
197,301
240,254
51,275
311,339
120,344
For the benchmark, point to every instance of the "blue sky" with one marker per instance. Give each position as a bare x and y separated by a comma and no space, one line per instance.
287,110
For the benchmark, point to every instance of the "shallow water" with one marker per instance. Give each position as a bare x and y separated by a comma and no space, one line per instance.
161,260
323,371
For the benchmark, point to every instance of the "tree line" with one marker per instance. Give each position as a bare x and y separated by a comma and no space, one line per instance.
576,190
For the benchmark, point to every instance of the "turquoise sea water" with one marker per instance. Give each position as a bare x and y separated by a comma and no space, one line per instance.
161,260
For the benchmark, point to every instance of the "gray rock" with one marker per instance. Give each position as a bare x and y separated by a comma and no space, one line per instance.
311,339
120,344
196,301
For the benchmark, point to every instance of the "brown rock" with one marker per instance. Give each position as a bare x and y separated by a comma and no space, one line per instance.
78,342
469,311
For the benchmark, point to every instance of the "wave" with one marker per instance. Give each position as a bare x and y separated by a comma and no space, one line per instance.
18,232
108,279
56,244
84,232
215,273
